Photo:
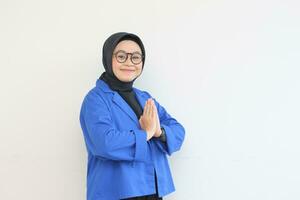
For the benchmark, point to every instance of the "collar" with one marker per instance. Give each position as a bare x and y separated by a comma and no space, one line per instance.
105,88
119,101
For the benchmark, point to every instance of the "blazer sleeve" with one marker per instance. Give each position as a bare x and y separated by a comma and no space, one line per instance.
104,140
175,132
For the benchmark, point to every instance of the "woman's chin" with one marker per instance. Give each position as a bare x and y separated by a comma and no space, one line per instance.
126,79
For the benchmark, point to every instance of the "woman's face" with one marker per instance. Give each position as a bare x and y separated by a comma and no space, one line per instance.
126,71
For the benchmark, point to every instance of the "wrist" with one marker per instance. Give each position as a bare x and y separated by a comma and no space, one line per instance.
149,134
159,132
162,136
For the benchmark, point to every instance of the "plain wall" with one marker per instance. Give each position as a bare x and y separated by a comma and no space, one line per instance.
227,70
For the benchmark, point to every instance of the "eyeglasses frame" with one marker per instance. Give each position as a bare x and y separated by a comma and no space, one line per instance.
115,54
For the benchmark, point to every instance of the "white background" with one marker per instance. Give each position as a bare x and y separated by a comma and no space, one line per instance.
227,70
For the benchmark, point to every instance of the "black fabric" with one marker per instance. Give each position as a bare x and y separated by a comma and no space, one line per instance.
148,197
130,98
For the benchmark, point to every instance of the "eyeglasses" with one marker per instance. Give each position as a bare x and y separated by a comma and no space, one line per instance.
122,56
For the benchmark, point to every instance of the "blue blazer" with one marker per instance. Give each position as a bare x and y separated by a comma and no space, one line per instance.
121,162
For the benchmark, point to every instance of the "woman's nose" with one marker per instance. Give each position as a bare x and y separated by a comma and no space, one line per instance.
128,61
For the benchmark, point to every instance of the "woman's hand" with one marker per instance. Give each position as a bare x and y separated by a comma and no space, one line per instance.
148,119
158,130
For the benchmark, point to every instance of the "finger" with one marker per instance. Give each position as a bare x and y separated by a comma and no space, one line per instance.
154,107
155,112
146,108
151,109
153,104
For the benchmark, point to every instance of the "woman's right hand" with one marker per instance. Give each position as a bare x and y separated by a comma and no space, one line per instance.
148,119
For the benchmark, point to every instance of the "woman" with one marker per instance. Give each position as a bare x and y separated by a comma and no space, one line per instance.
127,132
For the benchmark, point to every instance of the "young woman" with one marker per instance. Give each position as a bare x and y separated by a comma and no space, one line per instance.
127,133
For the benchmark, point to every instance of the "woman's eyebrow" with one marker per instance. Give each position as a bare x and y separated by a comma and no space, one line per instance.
129,52
137,52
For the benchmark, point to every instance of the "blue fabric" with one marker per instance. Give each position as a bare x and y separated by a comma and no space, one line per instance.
121,162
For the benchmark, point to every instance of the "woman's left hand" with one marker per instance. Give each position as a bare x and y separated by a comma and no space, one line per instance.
158,130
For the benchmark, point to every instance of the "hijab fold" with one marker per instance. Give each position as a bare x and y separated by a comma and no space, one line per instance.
123,88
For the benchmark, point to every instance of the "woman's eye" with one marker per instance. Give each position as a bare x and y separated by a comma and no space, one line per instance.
136,56
121,56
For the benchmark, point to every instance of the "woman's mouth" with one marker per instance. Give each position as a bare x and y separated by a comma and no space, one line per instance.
127,70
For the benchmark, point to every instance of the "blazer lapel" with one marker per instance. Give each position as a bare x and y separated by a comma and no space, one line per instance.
121,103
141,99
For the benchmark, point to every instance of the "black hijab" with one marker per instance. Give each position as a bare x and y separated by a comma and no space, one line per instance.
123,88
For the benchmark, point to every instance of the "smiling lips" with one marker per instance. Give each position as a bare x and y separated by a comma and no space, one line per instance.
127,70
